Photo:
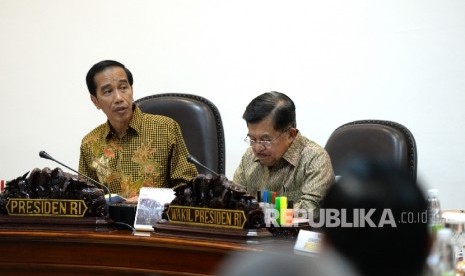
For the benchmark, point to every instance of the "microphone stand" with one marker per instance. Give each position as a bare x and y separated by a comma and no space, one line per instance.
192,160
45,155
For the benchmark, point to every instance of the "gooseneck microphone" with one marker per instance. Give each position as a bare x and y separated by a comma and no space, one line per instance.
45,155
192,160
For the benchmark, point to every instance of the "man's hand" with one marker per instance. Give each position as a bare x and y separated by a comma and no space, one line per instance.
133,199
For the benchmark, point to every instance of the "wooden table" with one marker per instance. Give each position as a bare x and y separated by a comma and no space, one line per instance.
116,252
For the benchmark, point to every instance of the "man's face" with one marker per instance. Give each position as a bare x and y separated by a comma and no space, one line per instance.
278,142
114,95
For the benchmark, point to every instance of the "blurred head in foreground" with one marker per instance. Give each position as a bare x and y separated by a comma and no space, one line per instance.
386,231
268,264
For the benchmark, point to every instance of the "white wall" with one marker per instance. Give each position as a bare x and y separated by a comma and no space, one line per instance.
339,60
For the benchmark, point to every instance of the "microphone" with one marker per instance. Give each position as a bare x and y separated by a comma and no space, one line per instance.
192,160
45,155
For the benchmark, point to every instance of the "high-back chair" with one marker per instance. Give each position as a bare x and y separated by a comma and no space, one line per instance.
200,122
374,139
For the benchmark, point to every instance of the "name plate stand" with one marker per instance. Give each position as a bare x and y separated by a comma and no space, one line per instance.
51,214
208,223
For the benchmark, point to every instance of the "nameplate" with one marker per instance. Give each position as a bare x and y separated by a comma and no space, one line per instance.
46,207
234,219
308,242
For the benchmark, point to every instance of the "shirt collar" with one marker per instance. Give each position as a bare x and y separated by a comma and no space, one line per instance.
292,155
135,123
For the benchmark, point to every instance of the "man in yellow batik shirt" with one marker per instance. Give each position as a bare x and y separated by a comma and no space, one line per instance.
132,149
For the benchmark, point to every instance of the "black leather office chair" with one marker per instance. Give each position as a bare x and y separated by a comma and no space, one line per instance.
374,139
200,122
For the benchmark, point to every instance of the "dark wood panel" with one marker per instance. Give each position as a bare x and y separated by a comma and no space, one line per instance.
113,252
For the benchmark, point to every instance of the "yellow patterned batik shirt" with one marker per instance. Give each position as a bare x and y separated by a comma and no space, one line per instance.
152,153
302,174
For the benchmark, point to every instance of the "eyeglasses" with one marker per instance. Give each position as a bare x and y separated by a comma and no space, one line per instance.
265,143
